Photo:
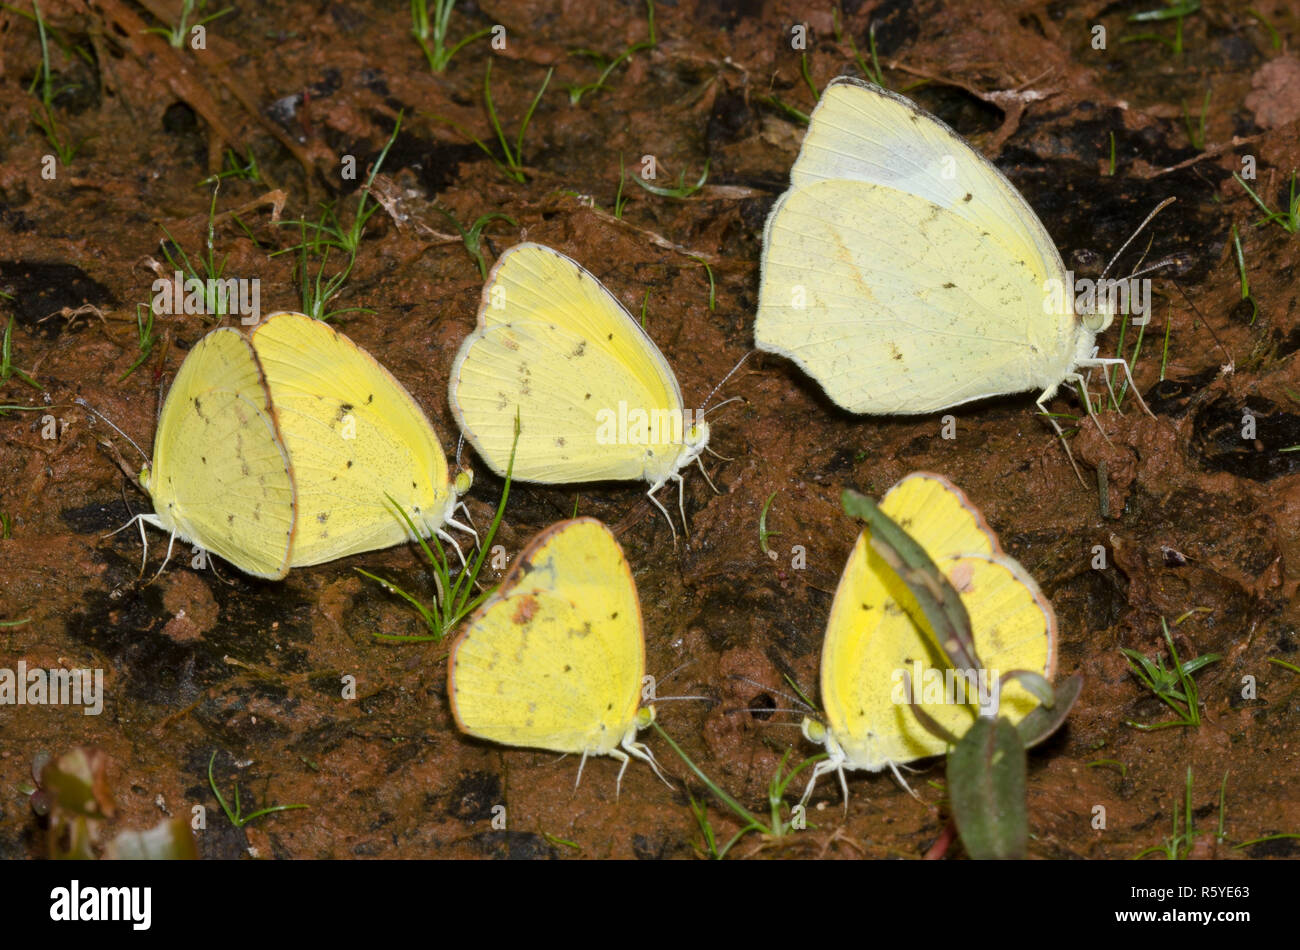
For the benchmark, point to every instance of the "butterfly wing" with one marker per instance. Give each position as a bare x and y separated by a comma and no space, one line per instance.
876,630
902,271
861,132
354,433
939,516
1014,625
897,306
556,346
554,659
866,636
221,477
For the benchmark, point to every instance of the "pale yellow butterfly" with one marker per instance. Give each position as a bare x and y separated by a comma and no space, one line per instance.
595,398
221,477
876,633
555,657
904,273
355,437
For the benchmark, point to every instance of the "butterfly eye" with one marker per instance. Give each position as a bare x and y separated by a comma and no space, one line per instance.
1096,320
813,730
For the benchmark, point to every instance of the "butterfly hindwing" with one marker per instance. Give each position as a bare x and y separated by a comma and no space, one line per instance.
553,344
221,477
554,659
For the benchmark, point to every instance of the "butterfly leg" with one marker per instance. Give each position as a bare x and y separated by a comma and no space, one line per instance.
454,543
469,522
659,505
903,782
170,544
622,757
581,766
1128,374
706,474
144,545
832,763
1042,408
681,502
1087,402
641,751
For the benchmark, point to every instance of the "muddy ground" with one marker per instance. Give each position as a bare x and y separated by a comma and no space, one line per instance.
1198,522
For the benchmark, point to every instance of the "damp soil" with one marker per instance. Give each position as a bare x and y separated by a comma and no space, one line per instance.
1195,518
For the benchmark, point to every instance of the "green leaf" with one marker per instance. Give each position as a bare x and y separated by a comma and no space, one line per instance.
986,786
1044,720
169,840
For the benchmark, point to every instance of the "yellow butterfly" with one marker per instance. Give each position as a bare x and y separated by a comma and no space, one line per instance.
876,633
554,658
904,273
354,435
595,397
221,477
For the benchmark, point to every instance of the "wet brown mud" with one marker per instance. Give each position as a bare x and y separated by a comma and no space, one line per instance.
1198,524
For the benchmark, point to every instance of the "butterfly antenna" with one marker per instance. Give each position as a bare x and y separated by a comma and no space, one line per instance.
779,692
724,381
675,699
1174,260
763,710
705,412
1160,207
674,671
85,405
460,445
